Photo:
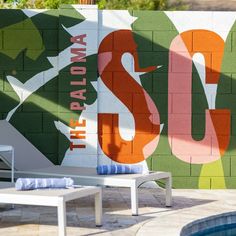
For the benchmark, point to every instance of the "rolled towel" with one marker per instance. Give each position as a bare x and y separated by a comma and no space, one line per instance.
119,169
41,183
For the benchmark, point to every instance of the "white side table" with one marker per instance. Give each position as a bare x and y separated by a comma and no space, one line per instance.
7,148
56,198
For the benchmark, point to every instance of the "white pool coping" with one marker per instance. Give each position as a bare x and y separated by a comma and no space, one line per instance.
195,205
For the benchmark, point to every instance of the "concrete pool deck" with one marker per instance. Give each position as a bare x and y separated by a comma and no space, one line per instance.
154,219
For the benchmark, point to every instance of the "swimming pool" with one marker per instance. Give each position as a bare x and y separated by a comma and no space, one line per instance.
217,225
222,230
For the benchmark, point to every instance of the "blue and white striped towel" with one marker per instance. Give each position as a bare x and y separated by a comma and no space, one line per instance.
119,169
41,183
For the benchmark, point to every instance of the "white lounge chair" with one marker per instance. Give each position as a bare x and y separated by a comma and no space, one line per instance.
29,162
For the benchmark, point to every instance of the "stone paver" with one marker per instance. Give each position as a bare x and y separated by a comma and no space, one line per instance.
154,218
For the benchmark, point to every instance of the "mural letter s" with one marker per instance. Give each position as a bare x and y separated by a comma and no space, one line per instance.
120,82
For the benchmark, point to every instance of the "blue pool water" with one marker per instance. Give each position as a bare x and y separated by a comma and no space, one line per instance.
222,230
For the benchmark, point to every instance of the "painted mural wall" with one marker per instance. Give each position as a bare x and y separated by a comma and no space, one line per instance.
89,87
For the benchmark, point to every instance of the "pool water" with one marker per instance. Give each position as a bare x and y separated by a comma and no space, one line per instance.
222,230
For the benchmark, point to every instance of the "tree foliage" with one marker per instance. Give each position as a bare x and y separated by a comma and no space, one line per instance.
134,4
102,4
39,4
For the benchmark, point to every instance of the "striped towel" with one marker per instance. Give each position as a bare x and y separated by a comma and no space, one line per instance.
119,169
40,183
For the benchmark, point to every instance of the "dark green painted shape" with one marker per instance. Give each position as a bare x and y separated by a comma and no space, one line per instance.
1,39
226,101
11,17
7,63
69,17
147,59
64,101
8,100
198,124
160,83
28,122
64,39
61,155
169,163
199,104
41,64
146,80
233,82
51,85
199,107
161,101
1,82
53,158
41,101
233,124
91,63
48,122
163,39
227,88
46,143
47,20
50,39
143,40
151,20
197,87
63,145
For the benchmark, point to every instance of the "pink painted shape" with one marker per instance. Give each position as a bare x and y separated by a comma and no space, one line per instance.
103,60
181,105
155,119
150,147
181,86
152,108
200,151
181,120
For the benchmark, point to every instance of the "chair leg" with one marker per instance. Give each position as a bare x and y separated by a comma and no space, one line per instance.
134,199
98,208
61,211
168,187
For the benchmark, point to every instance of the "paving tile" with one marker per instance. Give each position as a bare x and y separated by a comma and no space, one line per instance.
154,218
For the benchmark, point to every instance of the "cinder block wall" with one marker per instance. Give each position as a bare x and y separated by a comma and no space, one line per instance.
144,87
